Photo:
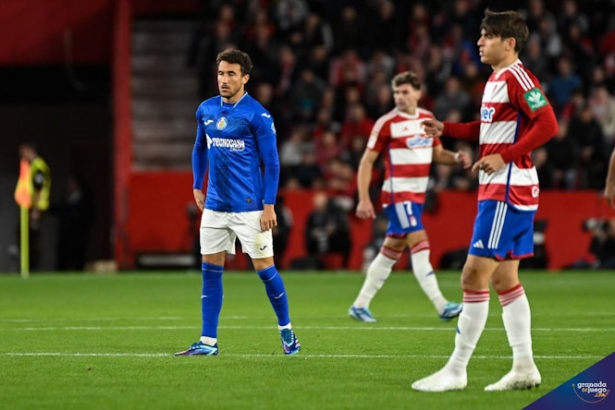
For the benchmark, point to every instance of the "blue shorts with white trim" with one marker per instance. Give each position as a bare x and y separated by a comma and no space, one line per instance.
404,218
502,232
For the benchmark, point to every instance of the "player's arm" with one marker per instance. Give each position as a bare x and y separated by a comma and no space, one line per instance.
446,157
609,190
199,163
543,124
465,131
528,98
265,133
365,208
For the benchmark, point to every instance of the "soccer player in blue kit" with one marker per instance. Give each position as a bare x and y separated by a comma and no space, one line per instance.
235,134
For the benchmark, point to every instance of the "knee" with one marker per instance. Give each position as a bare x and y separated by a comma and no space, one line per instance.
472,278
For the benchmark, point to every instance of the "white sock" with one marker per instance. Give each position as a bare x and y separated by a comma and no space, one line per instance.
377,273
288,326
424,274
209,341
518,322
469,328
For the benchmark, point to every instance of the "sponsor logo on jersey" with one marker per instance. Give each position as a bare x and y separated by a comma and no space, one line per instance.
222,123
207,122
486,113
535,191
418,141
535,99
228,143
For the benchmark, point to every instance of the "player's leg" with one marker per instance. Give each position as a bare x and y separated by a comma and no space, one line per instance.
477,272
377,273
259,245
516,312
216,241
425,275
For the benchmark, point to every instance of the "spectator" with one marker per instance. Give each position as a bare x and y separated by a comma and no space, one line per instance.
327,230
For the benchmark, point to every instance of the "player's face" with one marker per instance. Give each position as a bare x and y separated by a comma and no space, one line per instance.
231,81
491,48
406,98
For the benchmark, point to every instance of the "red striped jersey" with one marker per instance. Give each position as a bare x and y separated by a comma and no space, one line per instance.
510,100
407,155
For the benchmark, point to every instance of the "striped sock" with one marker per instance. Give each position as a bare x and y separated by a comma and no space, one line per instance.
471,324
517,319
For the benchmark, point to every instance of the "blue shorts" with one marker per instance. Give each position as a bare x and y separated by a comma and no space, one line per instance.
404,218
502,232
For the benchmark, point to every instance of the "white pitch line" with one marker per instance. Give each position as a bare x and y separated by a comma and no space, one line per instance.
306,356
345,328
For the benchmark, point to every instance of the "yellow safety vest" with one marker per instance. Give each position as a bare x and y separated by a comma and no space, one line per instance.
25,184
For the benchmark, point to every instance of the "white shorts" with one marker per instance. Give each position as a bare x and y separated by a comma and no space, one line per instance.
220,229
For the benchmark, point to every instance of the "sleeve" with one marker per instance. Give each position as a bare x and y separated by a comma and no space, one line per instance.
199,153
437,141
464,131
379,136
528,98
264,130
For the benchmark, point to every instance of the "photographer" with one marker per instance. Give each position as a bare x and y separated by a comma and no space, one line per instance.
602,246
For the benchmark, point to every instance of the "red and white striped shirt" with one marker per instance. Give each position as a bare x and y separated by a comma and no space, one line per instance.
408,155
510,101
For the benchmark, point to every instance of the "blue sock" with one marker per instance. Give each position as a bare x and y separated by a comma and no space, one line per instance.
274,285
211,298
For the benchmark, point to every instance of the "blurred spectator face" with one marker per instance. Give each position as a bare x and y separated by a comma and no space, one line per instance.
384,95
598,75
586,115
264,93
328,98
349,14
563,65
323,117
406,98
570,8
358,143
533,47
319,53
286,56
307,76
452,85
470,70
356,113
461,8
319,201
562,130
226,14
539,157
352,95
328,139
386,9
536,8
312,23
453,116
601,95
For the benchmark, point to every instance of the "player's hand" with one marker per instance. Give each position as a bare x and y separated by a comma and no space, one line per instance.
269,219
199,198
365,210
490,164
609,194
464,158
432,127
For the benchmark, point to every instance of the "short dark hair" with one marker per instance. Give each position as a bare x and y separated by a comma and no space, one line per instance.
236,57
407,77
506,24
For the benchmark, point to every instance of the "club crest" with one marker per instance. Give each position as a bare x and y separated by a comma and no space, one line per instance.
222,123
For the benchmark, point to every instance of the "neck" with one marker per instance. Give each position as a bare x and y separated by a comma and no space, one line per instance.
505,62
234,98
409,111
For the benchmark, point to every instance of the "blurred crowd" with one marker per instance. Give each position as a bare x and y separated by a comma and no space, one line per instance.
323,69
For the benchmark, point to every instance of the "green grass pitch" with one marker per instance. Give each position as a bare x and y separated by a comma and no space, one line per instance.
107,342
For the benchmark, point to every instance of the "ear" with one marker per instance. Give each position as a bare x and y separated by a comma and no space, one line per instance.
510,43
245,79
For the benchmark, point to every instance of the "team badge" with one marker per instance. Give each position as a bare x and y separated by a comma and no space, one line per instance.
222,123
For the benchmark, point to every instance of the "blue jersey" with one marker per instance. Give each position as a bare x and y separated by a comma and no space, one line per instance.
232,142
